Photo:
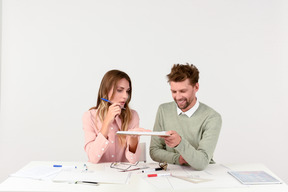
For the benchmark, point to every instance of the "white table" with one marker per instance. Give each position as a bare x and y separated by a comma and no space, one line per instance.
221,180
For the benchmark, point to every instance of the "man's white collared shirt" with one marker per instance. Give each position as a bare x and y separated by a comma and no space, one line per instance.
190,112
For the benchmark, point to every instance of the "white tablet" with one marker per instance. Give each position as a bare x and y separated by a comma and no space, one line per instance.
254,177
152,133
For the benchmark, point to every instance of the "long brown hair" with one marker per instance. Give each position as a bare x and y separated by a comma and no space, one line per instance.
109,81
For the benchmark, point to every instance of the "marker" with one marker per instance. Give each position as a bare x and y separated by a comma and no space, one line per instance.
90,182
66,166
151,170
111,102
159,175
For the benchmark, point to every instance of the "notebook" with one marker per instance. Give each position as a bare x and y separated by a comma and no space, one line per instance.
254,177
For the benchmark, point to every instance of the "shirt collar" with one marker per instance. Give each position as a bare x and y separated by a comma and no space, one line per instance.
190,112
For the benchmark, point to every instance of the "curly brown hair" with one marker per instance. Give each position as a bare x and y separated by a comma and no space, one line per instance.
181,72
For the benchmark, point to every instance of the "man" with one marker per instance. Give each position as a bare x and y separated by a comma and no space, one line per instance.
193,126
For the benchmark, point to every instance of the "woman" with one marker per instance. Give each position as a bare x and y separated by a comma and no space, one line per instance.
101,123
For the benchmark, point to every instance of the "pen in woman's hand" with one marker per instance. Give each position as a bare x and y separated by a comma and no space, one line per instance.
111,102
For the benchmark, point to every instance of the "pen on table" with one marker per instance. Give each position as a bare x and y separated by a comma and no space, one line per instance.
151,170
111,102
159,175
65,166
90,182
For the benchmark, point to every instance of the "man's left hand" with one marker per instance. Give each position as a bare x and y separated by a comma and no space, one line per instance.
173,140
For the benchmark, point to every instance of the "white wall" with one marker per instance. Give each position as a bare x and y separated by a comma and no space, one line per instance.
54,54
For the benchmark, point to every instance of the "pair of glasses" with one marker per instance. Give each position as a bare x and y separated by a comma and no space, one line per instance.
163,165
123,166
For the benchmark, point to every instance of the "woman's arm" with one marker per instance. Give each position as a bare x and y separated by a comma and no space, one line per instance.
95,143
132,151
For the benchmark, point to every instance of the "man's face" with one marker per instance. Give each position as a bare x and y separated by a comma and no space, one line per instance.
184,94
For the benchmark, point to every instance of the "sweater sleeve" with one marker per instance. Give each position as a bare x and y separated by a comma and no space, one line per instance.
199,158
95,143
158,150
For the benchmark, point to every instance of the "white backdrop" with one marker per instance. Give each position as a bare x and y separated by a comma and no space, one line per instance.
54,54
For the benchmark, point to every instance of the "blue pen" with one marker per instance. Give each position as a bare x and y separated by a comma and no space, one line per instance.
110,102
106,100
65,166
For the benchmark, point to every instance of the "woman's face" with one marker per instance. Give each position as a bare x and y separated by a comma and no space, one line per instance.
121,92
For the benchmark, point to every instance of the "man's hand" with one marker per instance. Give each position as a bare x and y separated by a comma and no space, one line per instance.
182,160
173,140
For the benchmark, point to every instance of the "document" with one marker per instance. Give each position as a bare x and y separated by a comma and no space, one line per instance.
92,176
159,133
213,177
37,172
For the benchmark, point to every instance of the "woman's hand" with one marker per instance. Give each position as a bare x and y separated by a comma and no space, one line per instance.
138,129
113,111
132,140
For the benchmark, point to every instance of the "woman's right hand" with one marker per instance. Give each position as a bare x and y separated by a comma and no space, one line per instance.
113,111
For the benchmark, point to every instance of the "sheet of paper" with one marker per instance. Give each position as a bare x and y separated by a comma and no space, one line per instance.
37,172
216,176
97,176
152,133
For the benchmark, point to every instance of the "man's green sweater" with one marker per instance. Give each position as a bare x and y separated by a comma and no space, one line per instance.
199,134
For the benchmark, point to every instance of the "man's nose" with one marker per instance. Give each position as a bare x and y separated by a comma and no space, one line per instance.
177,96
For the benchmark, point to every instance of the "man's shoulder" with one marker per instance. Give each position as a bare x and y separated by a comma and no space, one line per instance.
203,108
168,105
167,108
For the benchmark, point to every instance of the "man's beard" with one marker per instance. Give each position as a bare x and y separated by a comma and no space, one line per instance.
184,105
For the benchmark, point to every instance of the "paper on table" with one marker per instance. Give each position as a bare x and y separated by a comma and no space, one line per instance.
159,133
97,176
38,172
217,177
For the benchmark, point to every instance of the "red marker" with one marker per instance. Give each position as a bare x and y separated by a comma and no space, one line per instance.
159,175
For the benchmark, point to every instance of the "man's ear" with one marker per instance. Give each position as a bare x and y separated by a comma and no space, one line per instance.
196,86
